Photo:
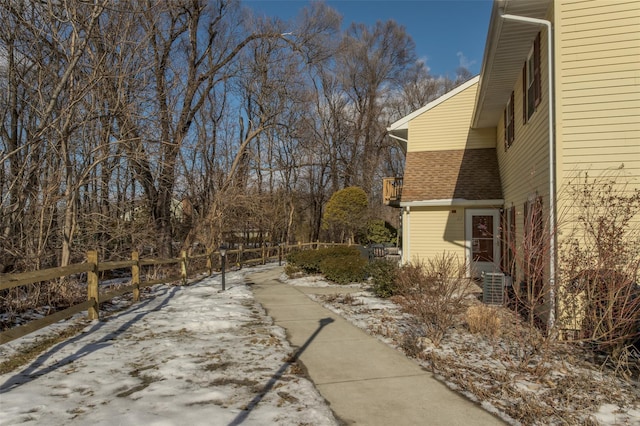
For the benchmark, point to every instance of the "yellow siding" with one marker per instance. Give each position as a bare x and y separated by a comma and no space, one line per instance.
447,126
598,90
524,166
433,230
597,54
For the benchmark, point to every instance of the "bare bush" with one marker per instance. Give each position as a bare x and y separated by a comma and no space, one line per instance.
600,262
21,304
528,256
434,292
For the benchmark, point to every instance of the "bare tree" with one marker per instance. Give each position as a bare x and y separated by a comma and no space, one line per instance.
119,114
45,45
371,61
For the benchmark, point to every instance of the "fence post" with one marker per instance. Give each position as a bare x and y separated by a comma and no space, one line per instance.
264,253
183,266
135,275
210,261
92,286
317,244
240,250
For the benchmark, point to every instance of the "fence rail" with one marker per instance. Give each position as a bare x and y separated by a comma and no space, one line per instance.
92,267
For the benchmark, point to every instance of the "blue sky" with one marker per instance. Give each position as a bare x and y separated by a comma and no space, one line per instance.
447,33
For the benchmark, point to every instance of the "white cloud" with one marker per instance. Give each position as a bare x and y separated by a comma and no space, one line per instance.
423,61
464,61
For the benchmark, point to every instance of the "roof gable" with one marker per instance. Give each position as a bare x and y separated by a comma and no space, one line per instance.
403,123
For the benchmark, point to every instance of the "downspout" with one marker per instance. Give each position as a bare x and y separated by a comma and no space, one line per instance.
406,237
552,161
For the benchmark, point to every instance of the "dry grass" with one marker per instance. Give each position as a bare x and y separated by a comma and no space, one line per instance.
345,299
484,320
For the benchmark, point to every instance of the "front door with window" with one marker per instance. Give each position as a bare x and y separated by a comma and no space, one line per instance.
482,229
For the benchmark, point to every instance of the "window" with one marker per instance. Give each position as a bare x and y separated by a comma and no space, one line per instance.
532,82
509,123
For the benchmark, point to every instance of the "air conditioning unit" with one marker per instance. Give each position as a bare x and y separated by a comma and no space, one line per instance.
493,284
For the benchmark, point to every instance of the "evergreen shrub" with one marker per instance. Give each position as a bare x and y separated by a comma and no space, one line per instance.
333,262
306,260
383,276
344,270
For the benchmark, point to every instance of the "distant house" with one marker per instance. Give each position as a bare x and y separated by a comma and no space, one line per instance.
181,211
485,162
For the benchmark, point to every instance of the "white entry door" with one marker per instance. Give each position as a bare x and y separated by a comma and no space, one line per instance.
482,240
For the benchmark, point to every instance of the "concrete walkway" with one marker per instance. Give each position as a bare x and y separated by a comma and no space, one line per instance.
365,381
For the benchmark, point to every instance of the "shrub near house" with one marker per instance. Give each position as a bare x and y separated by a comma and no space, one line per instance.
383,277
342,265
600,259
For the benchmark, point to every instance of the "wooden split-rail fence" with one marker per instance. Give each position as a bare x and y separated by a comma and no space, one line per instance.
92,268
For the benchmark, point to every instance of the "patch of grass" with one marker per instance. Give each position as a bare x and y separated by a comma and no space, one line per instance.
136,372
210,402
286,397
132,390
292,271
297,370
216,366
349,299
224,381
146,381
31,352
267,341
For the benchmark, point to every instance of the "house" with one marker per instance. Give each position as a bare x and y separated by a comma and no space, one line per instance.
451,177
181,211
558,95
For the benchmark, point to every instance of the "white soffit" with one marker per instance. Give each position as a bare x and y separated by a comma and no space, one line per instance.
508,44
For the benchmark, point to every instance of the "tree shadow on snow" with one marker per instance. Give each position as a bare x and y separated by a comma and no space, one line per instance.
32,371
274,379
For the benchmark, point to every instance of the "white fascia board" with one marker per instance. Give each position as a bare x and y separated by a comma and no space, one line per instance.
452,202
403,123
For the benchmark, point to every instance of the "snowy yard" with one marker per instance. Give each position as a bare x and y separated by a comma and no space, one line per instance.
562,388
196,355
183,355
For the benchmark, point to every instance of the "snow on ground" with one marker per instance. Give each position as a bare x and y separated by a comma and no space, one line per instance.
314,281
563,389
183,355
196,355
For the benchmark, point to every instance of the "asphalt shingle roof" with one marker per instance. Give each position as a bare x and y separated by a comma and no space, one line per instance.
470,174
